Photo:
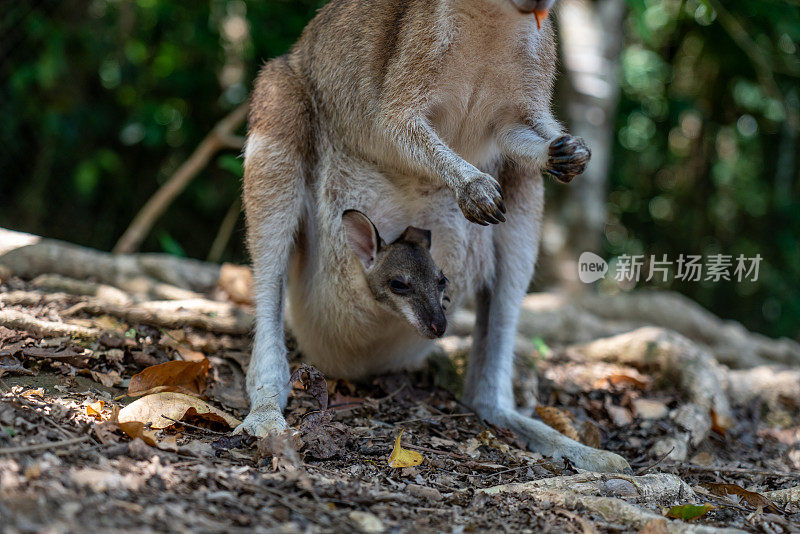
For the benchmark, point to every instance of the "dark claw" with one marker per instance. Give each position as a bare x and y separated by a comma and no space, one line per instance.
569,158
491,219
502,206
499,216
558,143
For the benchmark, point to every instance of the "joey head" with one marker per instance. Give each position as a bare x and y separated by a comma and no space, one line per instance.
401,276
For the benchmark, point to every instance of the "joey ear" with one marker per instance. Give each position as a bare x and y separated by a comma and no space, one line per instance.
417,236
362,236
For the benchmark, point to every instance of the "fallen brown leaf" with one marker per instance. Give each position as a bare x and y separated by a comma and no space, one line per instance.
558,419
756,500
10,365
590,435
95,409
343,402
719,423
161,410
312,380
184,377
323,438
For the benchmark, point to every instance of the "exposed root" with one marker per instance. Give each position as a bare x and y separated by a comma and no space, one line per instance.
784,496
730,342
779,388
651,488
16,320
567,319
29,256
53,283
205,315
674,356
599,494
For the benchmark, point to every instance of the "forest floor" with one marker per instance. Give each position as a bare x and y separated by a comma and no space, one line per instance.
68,463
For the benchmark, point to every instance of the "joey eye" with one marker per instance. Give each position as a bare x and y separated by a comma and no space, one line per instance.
442,282
399,287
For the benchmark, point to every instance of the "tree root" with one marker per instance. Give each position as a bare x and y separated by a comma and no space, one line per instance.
16,320
730,342
673,355
29,256
779,388
784,496
565,319
651,488
174,314
55,283
600,494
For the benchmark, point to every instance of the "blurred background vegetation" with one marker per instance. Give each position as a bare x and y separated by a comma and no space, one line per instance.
101,100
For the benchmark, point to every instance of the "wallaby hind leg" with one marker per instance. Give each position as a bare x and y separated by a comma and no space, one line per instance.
274,187
488,387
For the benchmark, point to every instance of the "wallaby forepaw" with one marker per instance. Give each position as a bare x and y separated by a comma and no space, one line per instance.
481,200
567,158
262,421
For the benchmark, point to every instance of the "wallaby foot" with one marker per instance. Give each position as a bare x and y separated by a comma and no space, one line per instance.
547,441
481,200
567,158
263,420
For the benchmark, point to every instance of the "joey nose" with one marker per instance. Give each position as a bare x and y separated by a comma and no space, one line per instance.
439,325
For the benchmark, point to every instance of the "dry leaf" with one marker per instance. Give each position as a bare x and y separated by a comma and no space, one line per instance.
312,380
150,409
344,402
136,429
689,512
627,381
756,500
489,439
323,438
9,365
95,409
236,282
719,423
183,377
590,435
38,392
109,379
401,457
558,419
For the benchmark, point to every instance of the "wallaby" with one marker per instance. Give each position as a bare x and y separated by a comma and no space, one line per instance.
431,113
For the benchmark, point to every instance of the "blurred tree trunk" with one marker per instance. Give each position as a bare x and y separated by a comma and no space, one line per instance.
591,38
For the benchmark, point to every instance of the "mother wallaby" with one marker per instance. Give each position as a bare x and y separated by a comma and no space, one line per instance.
431,113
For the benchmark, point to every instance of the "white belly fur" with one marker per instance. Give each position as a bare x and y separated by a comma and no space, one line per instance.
338,325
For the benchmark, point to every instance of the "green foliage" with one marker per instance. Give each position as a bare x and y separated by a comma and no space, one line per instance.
705,161
101,101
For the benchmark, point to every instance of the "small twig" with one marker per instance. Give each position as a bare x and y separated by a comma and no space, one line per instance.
645,469
226,228
518,468
44,446
184,423
220,137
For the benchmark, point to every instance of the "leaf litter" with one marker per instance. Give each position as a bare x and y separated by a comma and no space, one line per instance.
331,472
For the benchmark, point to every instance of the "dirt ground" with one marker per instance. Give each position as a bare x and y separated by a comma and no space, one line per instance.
65,466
